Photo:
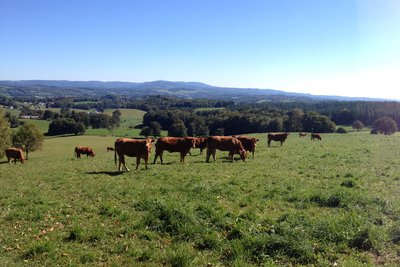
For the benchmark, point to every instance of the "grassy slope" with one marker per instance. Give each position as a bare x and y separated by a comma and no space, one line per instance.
334,201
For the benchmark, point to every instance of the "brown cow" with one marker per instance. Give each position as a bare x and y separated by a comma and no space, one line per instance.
316,136
199,142
16,154
225,143
278,137
109,148
173,144
139,148
249,143
85,150
302,135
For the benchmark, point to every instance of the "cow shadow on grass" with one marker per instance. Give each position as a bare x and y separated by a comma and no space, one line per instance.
4,162
110,173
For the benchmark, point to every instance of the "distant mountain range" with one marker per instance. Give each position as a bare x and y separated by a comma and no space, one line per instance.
61,88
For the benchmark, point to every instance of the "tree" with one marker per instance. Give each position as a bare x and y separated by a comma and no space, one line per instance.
29,137
155,128
357,125
178,130
5,136
65,126
146,131
386,125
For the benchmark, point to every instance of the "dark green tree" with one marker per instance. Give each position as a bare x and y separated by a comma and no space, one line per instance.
29,137
146,131
386,125
155,129
178,130
5,135
357,125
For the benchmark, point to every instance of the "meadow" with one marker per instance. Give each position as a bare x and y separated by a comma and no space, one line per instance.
333,202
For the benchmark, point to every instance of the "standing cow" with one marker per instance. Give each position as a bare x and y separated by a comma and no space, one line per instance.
278,137
225,143
85,150
173,144
249,143
16,154
316,136
199,142
139,148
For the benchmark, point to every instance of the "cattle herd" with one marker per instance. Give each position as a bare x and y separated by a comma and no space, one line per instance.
141,148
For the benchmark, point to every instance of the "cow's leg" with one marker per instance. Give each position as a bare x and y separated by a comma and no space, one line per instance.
231,155
213,153
156,156
9,160
269,142
208,155
161,153
145,162
253,153
138,162
201,151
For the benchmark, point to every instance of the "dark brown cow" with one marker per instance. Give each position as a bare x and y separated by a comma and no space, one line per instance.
16,154
316,136
173,144
139,148
225,143
85,150
278,137
199,142
109,148
249,143
302,135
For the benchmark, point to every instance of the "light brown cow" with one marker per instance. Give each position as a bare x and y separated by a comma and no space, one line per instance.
302,134
199,142
249,143
278,137
16,154
173,144
316,136
139,148
85,150
225,143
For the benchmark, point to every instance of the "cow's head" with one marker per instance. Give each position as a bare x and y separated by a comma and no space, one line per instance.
190,142
92,154
243,154
149,142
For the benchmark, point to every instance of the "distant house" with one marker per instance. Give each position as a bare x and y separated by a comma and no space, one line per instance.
29,117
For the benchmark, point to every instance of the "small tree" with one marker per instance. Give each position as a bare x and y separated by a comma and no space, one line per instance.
386,125
5,136
357,125
155,128
178,130
146,131
28,137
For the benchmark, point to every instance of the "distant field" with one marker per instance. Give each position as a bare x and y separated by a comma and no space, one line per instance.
333,202
42,124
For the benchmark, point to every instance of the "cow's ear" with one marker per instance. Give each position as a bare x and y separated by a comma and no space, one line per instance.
153,140
257,140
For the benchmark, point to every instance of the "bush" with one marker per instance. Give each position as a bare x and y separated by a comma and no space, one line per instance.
374,131
341,130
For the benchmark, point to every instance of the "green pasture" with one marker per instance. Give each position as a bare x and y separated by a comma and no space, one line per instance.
333,202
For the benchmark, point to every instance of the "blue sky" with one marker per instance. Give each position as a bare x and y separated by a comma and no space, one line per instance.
330,47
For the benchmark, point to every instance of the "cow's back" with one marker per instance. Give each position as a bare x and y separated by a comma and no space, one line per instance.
130,147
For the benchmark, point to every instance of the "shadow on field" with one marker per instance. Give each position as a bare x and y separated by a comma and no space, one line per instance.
4,162
114,173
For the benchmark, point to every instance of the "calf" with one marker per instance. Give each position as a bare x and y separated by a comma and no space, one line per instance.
316,136
139,148
16,154
225,143
302,135
109,148
173,144
85,150
278,137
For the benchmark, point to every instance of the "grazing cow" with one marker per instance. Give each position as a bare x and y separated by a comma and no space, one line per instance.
85,150
225,143
199,142
316,136
249,143
16,154
278,137
302,135
173,144
109,148
139,148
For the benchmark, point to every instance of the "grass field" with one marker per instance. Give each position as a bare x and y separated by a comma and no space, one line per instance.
323,203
